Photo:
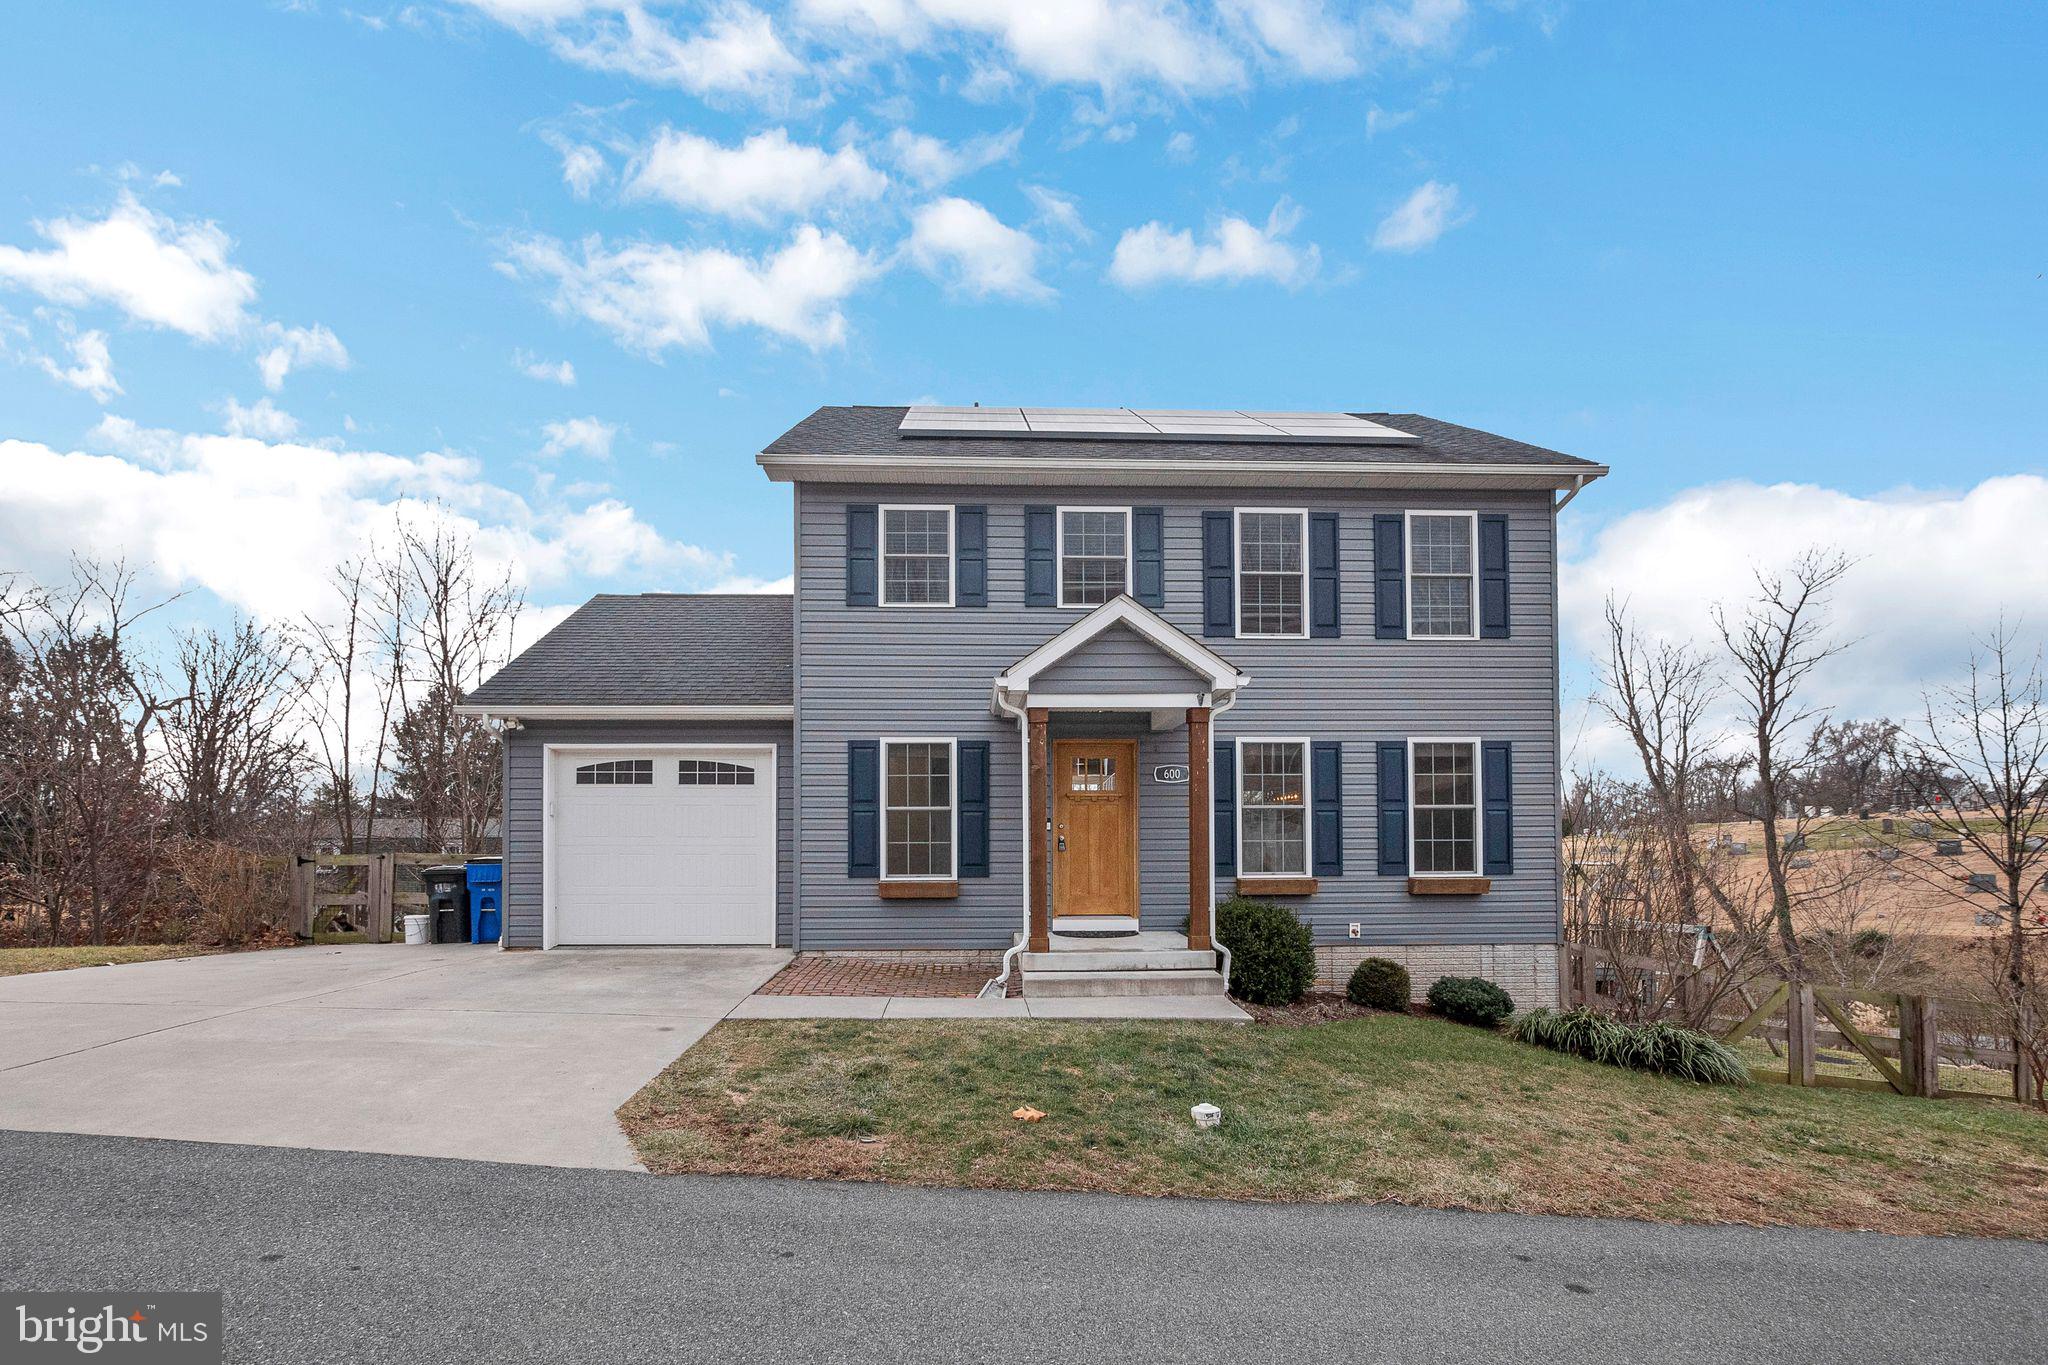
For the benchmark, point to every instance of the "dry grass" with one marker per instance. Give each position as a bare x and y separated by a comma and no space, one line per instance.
1385,1108
21,961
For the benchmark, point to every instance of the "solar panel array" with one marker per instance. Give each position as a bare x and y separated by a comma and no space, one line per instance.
1153,424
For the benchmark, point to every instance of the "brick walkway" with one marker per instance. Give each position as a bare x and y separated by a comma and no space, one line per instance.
824,974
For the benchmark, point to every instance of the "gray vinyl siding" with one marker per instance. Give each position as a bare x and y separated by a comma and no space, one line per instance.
525,820
869,673
1118,660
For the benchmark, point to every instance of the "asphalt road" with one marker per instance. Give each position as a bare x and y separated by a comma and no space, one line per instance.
340,1257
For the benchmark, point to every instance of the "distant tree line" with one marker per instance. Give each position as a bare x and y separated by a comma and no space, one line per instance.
151,783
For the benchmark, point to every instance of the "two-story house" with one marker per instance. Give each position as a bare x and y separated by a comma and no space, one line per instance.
1069,678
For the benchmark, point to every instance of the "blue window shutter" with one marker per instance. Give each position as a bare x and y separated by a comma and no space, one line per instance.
1223,791
860,555
970,556
1393,799
1219,566
1493,577
1148,556
1041,574
1497,779
863,808
1324,592
973,808
1326,783
1389,578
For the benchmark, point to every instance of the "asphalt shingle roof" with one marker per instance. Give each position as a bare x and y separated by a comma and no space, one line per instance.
655,649
871,432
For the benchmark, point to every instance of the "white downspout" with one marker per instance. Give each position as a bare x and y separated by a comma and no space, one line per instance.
1000,986
1222,949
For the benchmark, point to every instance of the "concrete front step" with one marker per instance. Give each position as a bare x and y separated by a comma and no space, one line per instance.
1127,983
1118,959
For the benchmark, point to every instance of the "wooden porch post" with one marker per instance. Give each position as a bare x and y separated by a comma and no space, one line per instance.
1037,884
1200,910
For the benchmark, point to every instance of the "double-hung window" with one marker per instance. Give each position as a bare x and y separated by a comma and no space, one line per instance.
919,810
917,556
1272,573
1094,554
1272,808
1443,554
1445,797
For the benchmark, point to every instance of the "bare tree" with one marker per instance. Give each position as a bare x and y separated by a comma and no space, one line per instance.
1776,641
446,627
342,683
1983,745
1660,693
232,755
85,823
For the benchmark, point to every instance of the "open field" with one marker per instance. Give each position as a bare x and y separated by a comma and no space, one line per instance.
1389,1108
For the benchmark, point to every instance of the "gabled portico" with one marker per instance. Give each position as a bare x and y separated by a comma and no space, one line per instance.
1085,698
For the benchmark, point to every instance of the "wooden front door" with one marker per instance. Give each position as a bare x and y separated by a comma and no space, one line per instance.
1095,827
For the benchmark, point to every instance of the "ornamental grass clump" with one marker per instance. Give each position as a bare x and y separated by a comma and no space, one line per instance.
1663,1049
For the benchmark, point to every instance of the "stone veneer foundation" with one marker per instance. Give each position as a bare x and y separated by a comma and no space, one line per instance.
1526,971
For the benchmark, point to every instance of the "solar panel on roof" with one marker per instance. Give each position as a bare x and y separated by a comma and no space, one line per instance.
1152,424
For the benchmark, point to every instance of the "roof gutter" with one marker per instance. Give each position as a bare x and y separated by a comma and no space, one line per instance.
1002,468
1578,486
514,711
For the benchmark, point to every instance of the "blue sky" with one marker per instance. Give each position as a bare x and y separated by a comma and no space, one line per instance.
1722,248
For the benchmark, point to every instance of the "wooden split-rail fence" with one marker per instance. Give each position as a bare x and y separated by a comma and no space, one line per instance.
1797,1019
363,888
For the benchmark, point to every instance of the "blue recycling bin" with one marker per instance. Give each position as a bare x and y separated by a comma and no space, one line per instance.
486,899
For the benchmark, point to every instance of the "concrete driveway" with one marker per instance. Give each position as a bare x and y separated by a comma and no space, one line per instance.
445,1050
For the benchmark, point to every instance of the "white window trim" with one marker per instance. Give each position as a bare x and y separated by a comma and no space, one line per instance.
1308,802
1059,555
1237,573
1408,566
952,795
1478,799
882,551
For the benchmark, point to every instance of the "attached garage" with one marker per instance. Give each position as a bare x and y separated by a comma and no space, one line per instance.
660,844
648,774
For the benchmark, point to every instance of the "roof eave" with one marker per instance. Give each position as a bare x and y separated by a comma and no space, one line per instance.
810,468
630,711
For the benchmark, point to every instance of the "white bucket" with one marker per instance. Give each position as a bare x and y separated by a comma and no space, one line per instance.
416,928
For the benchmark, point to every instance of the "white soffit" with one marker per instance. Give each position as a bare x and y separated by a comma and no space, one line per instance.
1153,424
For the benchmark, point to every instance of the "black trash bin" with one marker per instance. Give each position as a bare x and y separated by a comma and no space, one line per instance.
447,902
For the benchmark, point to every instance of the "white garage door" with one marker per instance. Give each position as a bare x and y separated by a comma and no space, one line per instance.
664,846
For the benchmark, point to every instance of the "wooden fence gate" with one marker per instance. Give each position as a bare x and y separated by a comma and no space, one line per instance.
370,889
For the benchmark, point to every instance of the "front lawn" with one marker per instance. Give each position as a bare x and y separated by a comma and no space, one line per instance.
19,961
1395,1108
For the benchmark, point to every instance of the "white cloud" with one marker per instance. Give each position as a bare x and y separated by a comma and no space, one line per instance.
260,523
91,369
932,161
1419,26
585,435
737,52
295,348
1933,572
1421,218
651,296
1378,120
1180,148
1059,210
1235,252
766,176
974,253
1303,34
262,419
1107,43
154,269
548,372
582,164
